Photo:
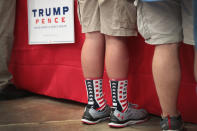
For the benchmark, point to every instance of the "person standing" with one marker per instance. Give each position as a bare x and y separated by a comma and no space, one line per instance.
165,23
107,24
195,38
7,22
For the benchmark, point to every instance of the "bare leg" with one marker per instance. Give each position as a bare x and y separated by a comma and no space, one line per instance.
92,56
166,73
92,59
117,57
117,61
195,65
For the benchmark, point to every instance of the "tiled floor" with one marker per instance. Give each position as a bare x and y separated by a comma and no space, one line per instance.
37,113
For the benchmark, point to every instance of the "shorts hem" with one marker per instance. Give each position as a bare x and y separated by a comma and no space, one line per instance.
166,40
189,42
112,33
87,30
120,33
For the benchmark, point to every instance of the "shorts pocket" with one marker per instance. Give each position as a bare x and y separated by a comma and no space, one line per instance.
80,4
142,22
124,15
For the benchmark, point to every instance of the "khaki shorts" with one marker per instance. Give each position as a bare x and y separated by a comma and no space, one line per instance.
110,17
164,22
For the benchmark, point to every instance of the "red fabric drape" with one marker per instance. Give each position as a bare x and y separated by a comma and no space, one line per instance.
55,70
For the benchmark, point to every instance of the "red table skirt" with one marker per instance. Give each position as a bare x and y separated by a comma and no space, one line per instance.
55,70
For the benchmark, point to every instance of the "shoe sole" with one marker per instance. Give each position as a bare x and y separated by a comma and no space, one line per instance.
172,130
182,129
175,130
88,122
115,125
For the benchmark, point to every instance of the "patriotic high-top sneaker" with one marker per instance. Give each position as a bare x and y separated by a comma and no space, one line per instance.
124,113
93,116
172,124
97,110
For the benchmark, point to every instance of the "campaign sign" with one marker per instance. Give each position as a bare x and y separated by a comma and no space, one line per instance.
50,21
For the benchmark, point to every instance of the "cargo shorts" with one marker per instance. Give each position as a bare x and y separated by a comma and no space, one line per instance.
110,17
164,22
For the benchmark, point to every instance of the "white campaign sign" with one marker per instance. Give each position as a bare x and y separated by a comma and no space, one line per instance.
51,21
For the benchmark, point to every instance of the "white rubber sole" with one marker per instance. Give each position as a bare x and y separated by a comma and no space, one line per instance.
174,130
93,122
126,124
